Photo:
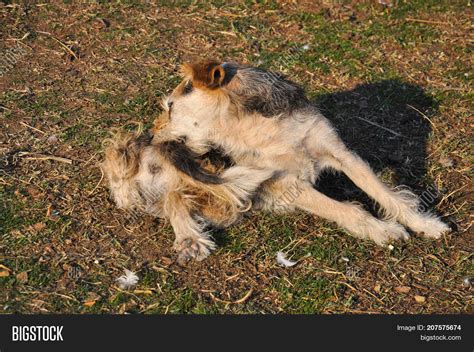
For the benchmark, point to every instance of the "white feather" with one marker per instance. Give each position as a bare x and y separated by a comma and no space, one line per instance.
281,259
128,280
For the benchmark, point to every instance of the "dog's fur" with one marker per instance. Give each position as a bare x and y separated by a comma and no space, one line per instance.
260,119
163,178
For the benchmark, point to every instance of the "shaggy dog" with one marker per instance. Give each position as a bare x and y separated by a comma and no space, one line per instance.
260,119
162,177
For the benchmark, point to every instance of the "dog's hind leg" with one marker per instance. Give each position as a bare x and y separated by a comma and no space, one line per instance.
350,216
401,205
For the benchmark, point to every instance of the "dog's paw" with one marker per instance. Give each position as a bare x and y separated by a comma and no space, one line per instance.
387,231
193,249
433,227
427,225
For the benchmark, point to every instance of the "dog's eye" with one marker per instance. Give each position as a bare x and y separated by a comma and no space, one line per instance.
188,88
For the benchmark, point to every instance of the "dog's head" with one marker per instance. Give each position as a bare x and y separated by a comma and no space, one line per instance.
123,153
123,165
213,89
139,171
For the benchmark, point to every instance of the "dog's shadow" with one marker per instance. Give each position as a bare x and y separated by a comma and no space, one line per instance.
387,124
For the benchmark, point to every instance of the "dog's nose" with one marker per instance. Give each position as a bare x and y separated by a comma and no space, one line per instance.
170,104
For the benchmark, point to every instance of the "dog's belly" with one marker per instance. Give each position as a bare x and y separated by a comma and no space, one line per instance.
272,144
290,163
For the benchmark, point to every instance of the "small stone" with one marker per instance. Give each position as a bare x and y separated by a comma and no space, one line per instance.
387,3
53,139
466,282
420,299
390,247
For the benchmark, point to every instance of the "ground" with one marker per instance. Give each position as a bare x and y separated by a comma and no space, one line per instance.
395,79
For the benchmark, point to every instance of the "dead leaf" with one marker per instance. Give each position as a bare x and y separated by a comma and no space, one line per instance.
89,303
166,261
420,299
22,277
39,226
4,271
92,297
446,161
402,289
34,192
377,288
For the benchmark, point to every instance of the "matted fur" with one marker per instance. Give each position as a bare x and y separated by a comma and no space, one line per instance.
261,119
144,176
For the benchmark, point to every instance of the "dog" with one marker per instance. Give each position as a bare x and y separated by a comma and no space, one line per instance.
261,119
149,173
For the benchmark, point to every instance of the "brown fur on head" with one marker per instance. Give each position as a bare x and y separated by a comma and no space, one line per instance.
204,73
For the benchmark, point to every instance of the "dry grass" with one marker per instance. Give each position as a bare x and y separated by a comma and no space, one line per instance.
91,67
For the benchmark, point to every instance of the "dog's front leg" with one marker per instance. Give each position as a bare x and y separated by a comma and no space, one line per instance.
191,241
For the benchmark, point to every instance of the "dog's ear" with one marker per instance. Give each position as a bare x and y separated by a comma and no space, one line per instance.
208,73
185,160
